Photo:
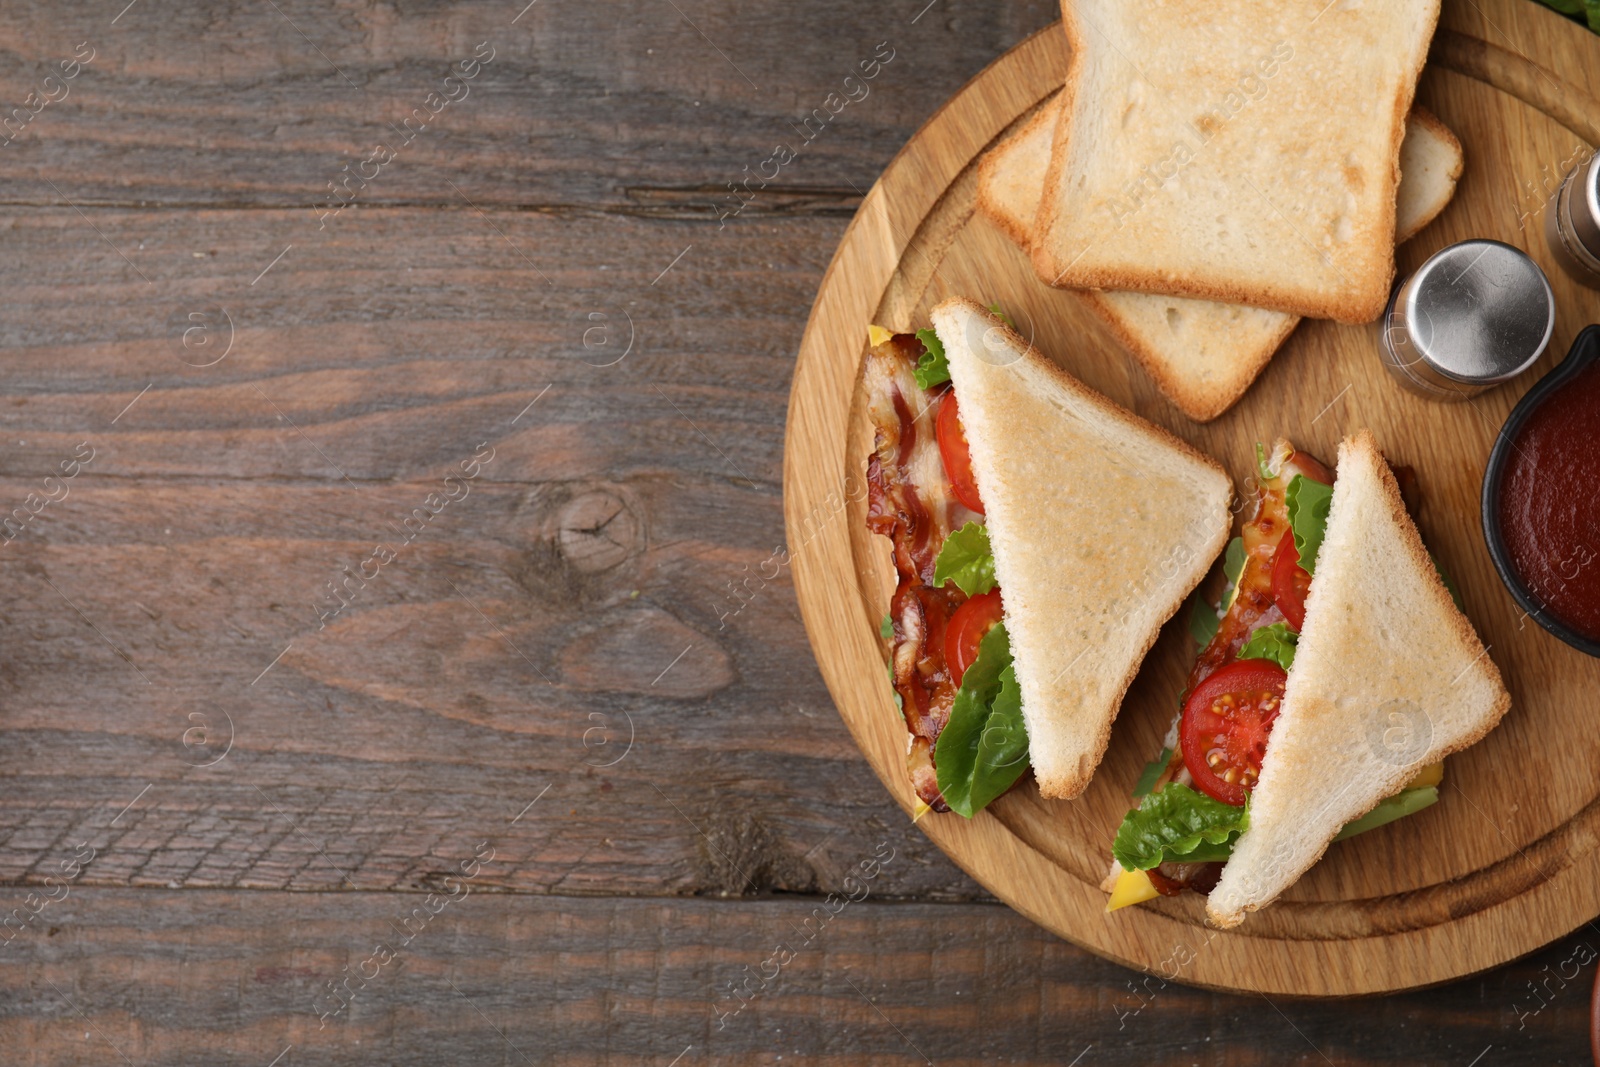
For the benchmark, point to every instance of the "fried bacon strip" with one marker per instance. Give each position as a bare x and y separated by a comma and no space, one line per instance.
1253,605
910,502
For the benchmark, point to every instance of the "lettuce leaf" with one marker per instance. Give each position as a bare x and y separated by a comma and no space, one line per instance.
983,749
1173,824
1276,642
994,309
886,628
1003,745
1206,852
967,560
1403,803
1182,824
932,369
1308,502
1152,771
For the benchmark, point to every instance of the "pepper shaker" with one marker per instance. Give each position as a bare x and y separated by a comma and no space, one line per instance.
1572,223
1475,314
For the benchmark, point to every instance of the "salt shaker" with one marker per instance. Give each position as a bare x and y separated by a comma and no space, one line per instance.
1475,314
1572,223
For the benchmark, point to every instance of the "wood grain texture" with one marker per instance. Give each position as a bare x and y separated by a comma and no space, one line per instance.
171,978
1435,896
629,517
238,104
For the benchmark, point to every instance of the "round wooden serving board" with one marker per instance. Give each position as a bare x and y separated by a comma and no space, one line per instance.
1507,860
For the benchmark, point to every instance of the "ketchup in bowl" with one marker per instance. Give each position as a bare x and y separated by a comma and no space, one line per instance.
1541,504
1550,502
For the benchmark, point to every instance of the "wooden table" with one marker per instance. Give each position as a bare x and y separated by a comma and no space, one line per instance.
409,671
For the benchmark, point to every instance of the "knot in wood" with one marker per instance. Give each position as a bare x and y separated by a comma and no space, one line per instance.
596,531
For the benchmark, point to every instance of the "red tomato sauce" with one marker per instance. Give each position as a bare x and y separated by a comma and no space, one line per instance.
1550,503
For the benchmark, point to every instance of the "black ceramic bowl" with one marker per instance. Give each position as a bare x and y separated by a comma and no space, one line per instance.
1585,350
1594,1020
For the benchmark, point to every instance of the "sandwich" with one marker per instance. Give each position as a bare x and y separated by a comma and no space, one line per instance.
1041,536
1335,677
1249,156
1202,355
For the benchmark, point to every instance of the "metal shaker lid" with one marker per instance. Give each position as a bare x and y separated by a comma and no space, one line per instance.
1476,313
1585,205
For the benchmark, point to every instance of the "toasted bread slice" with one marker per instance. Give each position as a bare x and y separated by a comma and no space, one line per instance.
1101,524
1011,174
1388,677
1248,156
1430,165
1203,355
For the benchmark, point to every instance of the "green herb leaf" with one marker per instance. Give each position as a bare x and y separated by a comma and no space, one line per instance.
886,628
1173,824
899,702
1152,771
1233,560
1263,471
1403,803
1203,621
994,309
1449,586
932,369
983,749
1308,502
967,560
1232,567
1276,642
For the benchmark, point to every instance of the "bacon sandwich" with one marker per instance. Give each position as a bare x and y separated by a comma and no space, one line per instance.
1334,678
1041,535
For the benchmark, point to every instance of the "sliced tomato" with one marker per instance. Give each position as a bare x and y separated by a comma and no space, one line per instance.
957,457
1290,583
1226,722
966,630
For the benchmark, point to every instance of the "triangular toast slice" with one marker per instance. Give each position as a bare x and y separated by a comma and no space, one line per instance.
1203,355
1086,584
1388,677
1249,155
